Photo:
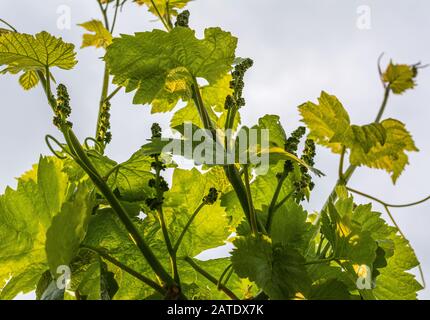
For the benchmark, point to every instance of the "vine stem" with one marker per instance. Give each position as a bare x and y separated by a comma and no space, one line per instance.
388,204
223,275
163,225
113,94
286,198
341,163
104,12
166,25
115,16
273,207
187,226
211,278
83,161
8,24
127,269
253,217
230,170
308,263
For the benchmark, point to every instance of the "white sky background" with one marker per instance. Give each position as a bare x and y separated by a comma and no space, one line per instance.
299,47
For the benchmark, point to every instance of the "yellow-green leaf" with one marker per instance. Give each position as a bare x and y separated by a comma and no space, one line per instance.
390,156
29,80
23,52
328,121
376,145
162,7
400,77
100,36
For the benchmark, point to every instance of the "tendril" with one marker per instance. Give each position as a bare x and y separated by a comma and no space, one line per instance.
48,139
97,143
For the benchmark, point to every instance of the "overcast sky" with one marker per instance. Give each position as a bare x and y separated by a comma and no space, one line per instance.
299,47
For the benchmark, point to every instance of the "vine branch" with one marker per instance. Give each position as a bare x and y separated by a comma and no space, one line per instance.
127,269
211,278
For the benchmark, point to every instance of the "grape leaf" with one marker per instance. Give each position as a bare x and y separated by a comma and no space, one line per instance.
393,282
25,216
349,242
210,227
68,229
400,77
143,62
277,134
24,52
198,287
290,227
106,233
331,289
376,145
214,96
278,270
29,80
100,36
328,121
391,155
162,6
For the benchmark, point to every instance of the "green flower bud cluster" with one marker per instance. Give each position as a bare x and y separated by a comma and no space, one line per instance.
183,19
103,134
62,110
237,84
292,143
306,182
156,131
212,197
291,146
159,184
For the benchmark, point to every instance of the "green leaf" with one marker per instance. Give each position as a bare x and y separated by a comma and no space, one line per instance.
24,52
394,282
106,233
377,145
198,287
145,60
68,229
25,216
162,6
348,240
393,256
290,227
29,80
278,270
210,227
214,96
132,177
43,283
400,77
328,121
22,282
390,156
100,36
331,289
277,134
4,31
